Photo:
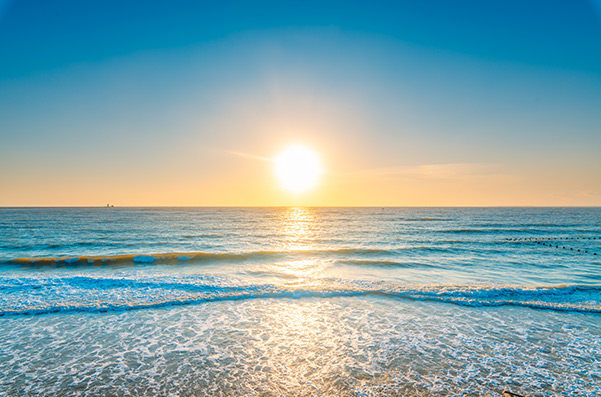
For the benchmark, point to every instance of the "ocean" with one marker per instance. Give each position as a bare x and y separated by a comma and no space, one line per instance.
300,301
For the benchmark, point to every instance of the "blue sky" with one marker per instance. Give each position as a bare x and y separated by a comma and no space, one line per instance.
37,36
408,103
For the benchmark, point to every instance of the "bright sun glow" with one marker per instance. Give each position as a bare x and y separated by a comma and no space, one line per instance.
297,168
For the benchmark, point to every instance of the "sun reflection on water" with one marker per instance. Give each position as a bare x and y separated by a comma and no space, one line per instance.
298,225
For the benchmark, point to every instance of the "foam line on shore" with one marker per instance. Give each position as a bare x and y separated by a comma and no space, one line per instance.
80,294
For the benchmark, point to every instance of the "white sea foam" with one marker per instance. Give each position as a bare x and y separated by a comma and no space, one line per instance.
134,290
338,346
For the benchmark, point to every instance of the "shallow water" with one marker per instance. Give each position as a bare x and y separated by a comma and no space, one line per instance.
312,301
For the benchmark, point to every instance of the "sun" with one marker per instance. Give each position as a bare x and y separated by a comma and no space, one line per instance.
297,168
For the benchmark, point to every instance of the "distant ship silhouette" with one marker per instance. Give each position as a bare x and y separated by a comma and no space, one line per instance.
110,206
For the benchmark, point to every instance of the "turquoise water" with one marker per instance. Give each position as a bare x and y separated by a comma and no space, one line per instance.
305,301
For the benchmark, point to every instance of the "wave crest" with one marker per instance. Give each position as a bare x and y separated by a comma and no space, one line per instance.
35,295
204,257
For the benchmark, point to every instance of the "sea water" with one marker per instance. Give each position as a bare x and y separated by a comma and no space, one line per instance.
300,301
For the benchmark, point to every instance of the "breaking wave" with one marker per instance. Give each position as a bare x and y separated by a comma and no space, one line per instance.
41,295
207,257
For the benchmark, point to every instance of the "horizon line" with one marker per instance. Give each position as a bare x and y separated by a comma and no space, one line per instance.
302,206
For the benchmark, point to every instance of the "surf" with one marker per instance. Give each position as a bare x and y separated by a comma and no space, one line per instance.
102,294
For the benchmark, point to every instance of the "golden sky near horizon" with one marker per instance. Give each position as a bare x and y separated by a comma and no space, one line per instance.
251,180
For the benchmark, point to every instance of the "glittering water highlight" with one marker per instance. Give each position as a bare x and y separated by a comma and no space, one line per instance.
305,301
